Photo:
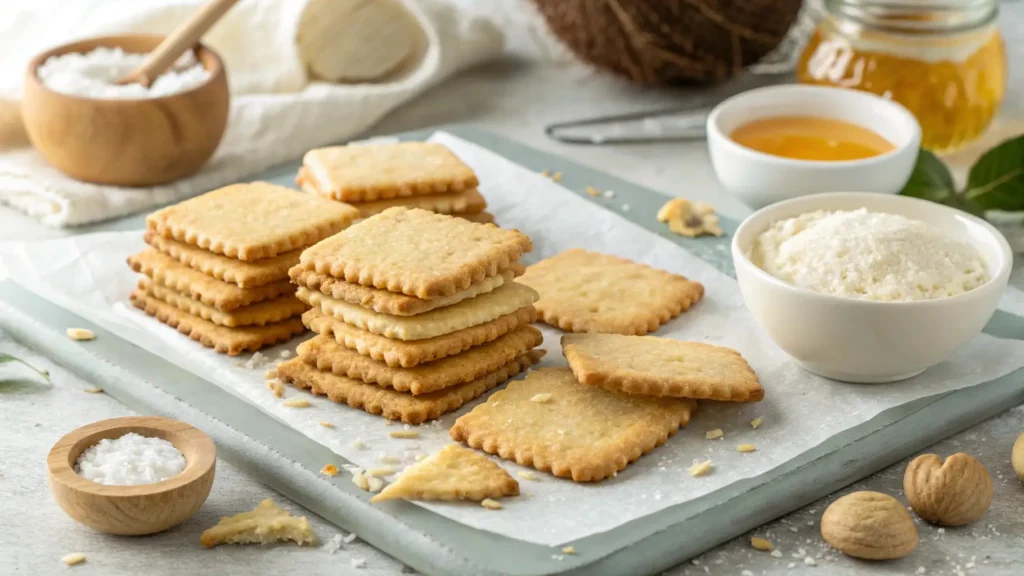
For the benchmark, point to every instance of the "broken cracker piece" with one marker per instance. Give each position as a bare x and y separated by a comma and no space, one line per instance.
745,448
96,390
73,558
453,473
404,434
713,434
297,403
761,544
700,468
755,423
266,524
490,504
329,470
690,219
569,550
326,424
80,334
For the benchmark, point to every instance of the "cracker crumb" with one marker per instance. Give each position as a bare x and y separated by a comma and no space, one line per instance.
755,423
491,504
609,193
329,470
527,475
541,398
761,544
545,173
404,434
745,448
700,468
96,390
297,403
73,558
593,191
359,479
80,334
382,471
557,176
569,550
270,374
326,424
358,444
276,387
713,434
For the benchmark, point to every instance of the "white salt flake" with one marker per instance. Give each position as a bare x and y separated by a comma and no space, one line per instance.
358,563
130,460
349,539
334,544
776,554
810,561
94,74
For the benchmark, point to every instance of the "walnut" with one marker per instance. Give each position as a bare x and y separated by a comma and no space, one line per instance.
869,525
952,493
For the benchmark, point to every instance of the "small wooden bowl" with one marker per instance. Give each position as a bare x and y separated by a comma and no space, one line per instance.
141,142
133,510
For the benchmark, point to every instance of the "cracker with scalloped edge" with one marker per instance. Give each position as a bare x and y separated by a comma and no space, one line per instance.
454,203
328,355
244,274
223,296
406,354
452,473
581,432
258,314
367,172
503,300
230,341
416,252
395,405
583,291
661,367
252,221
394,303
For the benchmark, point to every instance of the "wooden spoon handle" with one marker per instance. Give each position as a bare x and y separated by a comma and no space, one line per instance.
182,38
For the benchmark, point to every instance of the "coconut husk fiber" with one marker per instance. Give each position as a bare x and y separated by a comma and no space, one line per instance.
665,42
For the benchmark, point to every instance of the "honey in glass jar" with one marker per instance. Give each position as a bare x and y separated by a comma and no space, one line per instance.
942,59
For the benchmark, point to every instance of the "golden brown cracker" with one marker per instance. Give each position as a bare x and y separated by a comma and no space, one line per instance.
244,274
503,300
581,432
583,291
367,172
455,203
258,314
252,221
230,341
661,367
416,252
223,296
452,473
479,217
406,354
327,354
266,524
398,405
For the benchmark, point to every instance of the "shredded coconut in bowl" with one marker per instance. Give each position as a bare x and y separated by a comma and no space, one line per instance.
868,256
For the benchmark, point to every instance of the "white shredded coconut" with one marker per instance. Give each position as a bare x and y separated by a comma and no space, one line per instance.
130,460
868,256
94,75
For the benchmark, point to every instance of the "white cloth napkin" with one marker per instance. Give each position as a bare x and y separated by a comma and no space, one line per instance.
276,112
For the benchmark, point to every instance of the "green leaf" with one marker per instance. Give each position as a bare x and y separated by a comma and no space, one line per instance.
996,181
8,358
930,179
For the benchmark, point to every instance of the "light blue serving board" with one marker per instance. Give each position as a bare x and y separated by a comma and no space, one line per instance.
433,544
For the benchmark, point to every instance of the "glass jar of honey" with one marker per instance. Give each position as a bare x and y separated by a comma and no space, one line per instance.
942,59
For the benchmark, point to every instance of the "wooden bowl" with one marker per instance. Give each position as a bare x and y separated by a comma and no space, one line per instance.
133,510
141,142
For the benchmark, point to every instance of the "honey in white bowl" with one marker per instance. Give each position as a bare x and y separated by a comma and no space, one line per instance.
811,138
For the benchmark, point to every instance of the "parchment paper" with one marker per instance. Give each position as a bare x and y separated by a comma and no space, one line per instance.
88,275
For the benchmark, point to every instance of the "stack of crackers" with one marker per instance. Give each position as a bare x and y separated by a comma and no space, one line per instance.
417,313
375,177
217,265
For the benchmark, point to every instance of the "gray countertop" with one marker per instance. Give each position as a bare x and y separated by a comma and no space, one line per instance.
516,99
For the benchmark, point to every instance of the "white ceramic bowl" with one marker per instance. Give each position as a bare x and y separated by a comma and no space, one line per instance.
863,340
761,179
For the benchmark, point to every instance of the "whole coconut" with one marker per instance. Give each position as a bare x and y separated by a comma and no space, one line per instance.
670,41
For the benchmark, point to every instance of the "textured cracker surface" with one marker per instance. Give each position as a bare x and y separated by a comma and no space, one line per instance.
266,524
504,300
661,367
464,202
479,217
583,432
328,355
381,171
398,405
406,354
244,274
390,302
258,314
417,252
252,221
584,291
230,341
223,296
452,473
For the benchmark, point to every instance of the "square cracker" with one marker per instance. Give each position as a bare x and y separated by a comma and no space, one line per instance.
328,355
244,274
362,173
504,300
390,302
582,432
398,405
661,367
406,354
258,314
416,252
230,341
453,473
455,203
252,221
584,291
223,296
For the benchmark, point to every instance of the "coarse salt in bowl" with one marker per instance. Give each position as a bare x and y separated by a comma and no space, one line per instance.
130,460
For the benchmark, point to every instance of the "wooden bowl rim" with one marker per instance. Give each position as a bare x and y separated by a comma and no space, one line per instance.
217,70
200,459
